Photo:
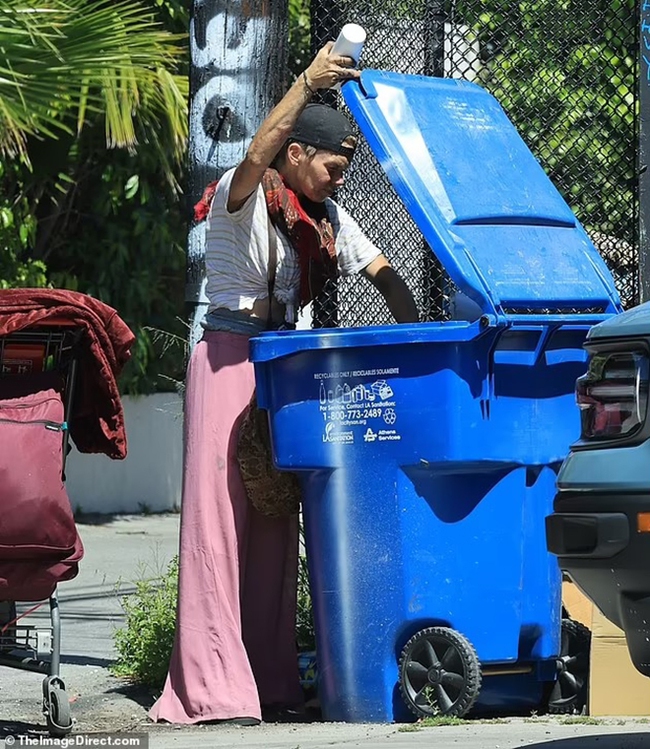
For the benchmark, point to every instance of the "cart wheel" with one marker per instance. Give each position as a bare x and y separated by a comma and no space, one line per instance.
57,714
569,693
439,673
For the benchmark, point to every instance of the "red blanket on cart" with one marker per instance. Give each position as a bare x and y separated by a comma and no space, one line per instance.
96,422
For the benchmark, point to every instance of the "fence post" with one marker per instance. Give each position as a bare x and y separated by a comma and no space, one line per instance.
434,65
237,73
434,40
644,151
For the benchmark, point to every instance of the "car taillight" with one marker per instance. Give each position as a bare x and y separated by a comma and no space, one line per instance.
613,395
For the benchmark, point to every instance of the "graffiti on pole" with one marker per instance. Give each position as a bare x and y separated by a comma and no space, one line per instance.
236,75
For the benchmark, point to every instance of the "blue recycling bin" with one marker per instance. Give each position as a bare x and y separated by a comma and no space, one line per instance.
428,453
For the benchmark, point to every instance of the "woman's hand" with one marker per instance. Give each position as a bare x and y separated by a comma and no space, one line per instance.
327,70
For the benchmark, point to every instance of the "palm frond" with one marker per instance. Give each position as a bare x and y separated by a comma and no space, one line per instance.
62,61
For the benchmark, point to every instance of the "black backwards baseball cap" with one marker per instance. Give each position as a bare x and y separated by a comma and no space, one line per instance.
321,126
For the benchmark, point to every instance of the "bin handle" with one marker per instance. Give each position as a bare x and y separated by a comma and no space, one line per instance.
530,358
272,345
577,320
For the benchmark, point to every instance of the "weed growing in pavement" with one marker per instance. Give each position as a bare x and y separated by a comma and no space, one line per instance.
443,720
144,645
435,721
586,720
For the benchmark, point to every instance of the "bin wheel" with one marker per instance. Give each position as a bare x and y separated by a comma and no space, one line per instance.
569,693
57,713
439,673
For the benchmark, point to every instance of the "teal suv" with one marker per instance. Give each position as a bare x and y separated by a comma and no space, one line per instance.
600,528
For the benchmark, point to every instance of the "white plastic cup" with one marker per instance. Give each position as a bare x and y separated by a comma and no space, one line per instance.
349,42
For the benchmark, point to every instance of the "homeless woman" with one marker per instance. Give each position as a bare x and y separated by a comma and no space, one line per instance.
274,236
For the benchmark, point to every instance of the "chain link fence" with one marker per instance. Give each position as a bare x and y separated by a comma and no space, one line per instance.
565,73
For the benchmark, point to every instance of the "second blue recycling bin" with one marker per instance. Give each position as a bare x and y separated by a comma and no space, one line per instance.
428,453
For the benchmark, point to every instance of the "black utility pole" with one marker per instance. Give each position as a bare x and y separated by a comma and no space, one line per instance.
238,63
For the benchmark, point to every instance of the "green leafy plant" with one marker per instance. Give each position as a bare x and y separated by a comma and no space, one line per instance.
17,232
567,79
299,53
144,644
93,136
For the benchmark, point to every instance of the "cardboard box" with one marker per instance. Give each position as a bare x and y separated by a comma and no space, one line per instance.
580,607
615,686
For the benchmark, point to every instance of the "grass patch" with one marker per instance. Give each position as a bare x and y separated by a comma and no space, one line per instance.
580,720
444,720
435,721
409,728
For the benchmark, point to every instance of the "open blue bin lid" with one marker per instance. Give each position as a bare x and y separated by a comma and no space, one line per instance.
486,207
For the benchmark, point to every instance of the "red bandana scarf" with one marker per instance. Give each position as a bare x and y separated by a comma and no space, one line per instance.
306,225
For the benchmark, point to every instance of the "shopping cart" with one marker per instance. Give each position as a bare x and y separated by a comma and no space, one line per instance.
38,372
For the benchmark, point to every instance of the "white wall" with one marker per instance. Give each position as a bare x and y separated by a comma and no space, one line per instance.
149,478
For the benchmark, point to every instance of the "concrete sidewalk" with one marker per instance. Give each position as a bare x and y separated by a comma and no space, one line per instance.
514,734
120,550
